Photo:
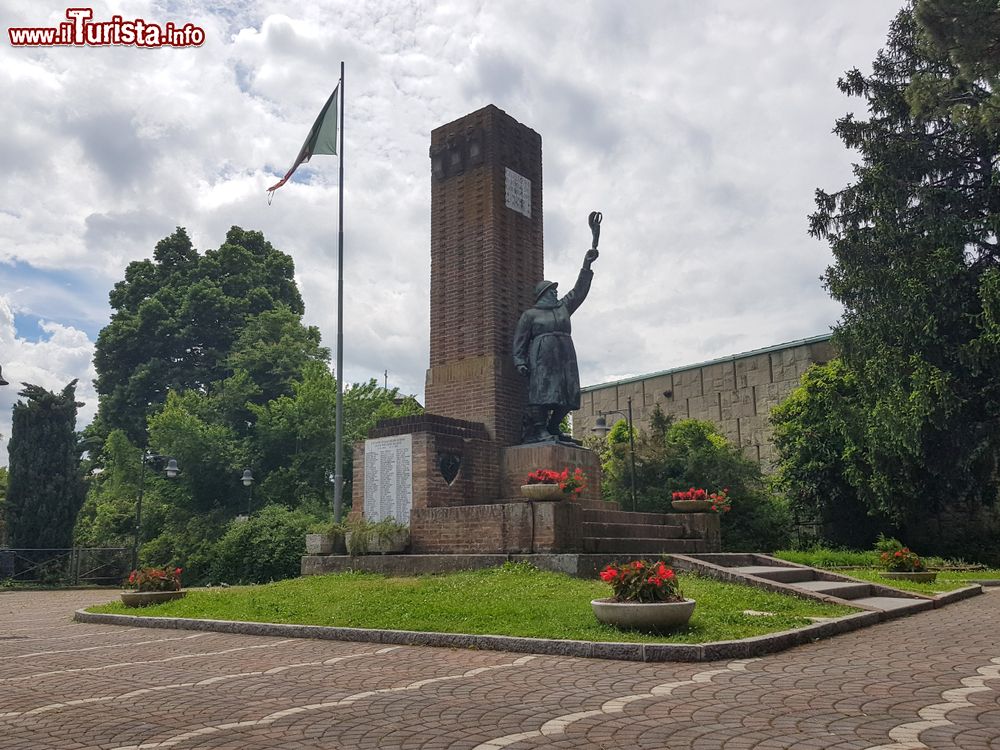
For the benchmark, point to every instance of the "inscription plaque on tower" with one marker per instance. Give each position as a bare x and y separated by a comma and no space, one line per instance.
389,478
517,192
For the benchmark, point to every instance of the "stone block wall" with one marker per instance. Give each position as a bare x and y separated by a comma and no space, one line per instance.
737,393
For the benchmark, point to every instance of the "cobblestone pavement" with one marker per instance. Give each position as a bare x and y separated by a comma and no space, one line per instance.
931,680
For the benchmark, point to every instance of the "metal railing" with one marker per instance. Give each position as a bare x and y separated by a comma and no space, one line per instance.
76,566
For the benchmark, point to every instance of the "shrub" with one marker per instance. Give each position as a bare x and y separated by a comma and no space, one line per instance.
362,533
268,546
675,456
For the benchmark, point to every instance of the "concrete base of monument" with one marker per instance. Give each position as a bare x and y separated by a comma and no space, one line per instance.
580,565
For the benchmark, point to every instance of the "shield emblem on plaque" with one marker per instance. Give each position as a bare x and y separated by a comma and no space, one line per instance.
449,465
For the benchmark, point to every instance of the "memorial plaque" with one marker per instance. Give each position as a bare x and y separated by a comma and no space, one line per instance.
389,478
518,192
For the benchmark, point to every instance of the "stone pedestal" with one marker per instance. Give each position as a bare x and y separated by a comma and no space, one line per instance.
517,461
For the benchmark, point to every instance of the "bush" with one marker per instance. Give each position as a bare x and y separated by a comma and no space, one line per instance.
266,547
675,456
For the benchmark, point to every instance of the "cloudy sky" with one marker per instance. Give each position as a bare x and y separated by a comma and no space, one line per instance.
700,129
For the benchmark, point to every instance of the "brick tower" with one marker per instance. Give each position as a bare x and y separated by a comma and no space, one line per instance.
486,255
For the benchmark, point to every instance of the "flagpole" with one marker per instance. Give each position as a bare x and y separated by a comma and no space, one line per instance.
338,475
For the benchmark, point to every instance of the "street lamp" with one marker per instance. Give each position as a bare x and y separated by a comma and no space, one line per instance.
171,471
248,483
602,429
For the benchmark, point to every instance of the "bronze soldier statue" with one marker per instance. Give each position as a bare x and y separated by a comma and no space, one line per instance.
544,353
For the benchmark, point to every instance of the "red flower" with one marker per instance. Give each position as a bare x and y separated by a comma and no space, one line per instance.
608,575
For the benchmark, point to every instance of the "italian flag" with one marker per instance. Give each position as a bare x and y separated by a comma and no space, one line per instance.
322,138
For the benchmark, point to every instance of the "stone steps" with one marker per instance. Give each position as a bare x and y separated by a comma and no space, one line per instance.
814,582
607,530
632,530
624,516
640,546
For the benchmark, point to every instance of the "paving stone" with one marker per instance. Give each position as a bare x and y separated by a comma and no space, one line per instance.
69,686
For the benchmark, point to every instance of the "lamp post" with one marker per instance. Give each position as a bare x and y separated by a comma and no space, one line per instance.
248,483
601,428
171,471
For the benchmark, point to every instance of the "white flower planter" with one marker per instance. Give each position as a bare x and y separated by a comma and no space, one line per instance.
646,616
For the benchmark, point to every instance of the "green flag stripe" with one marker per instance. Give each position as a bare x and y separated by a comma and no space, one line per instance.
322,138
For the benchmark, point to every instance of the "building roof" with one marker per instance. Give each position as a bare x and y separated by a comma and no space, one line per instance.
741,355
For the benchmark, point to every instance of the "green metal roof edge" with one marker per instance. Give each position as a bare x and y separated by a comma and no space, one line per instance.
730,358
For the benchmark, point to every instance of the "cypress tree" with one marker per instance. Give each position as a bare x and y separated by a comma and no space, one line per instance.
45,489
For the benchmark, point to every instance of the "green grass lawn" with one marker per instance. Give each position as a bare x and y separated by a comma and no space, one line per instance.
947,580
513,600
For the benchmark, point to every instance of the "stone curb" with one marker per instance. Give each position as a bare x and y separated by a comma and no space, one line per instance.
949,597
647,652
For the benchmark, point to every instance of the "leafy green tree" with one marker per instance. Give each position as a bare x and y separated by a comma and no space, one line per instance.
295,436
107,518
821,458
914,240
183,321
45,488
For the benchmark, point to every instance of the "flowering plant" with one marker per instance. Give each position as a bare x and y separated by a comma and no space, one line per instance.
154,579
570,483
642,581
898,559
720,500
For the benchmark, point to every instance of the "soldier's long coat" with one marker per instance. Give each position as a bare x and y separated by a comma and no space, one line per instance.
543,343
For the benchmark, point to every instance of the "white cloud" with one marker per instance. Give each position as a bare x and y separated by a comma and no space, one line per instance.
62,354
700,130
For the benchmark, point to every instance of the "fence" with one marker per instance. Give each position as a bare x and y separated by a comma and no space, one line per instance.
94,566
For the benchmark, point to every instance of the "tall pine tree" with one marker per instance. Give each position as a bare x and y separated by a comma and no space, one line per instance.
45,489
914,240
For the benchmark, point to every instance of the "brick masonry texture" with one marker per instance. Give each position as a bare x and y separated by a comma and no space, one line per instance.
736,393
931,680
514,527
434,436
485,259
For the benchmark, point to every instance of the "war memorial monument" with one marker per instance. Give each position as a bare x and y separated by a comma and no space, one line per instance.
502,376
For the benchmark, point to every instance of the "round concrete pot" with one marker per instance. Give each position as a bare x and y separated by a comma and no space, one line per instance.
145,598
924,576
542,491
646,616
691,506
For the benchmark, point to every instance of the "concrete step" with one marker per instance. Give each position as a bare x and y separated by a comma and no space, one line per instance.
632,530
624,516
892,603
609,505
640,546
776,573
840,589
